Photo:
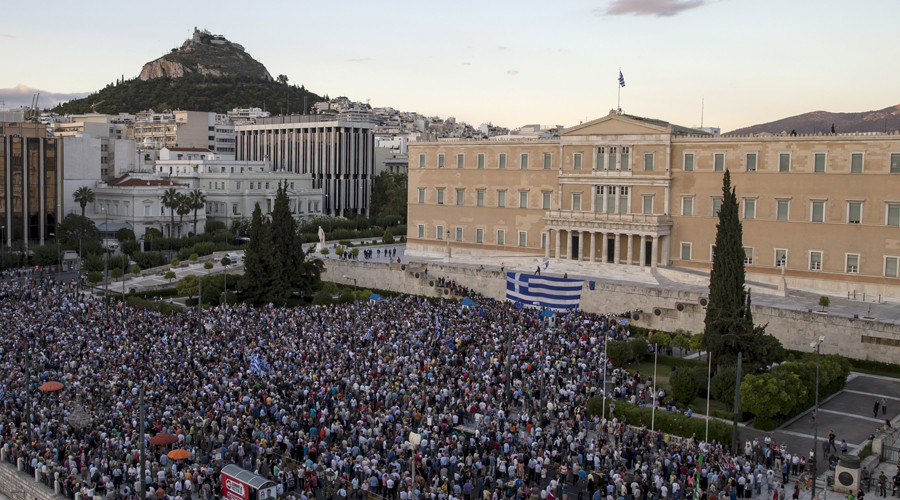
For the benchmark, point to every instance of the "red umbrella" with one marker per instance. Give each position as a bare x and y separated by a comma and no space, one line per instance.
163,438
179,454
51,386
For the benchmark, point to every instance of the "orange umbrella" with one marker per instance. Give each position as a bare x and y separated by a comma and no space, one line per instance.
163,438
178,454
51,386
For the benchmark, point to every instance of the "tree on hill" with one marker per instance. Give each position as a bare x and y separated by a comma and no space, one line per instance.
729,327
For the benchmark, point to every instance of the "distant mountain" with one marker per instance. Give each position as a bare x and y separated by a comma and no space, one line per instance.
207,73
883,120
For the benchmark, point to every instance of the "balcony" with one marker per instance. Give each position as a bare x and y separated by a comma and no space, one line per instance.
656,224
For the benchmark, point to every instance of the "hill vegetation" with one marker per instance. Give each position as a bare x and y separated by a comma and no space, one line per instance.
193,92
824,122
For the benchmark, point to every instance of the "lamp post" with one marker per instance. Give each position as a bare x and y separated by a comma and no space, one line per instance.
653,398
448,245
105,263
817,345
605,364
348,278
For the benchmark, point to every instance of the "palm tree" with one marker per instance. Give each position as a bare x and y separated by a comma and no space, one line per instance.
170,201
183,208
197,200
83,196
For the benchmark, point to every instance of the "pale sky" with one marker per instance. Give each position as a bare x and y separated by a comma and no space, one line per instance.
506,62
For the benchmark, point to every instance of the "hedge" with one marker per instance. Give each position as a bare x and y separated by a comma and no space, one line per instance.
667,422
163,307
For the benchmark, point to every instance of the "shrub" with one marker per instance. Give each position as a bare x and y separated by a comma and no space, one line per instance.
388,236
95,277
339,251
347,296
322,298
685,385
722,388
149,259
345,243
142,303
135,269
667,422
329,287
324,251
207,265
619,351
116,273
354,252
193,257
175,262
638,349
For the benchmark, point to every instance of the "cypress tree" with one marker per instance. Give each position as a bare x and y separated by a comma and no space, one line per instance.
257,260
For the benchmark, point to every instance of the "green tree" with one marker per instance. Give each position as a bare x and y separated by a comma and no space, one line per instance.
188,286
824,302
257,262
685,385
183,208
46,255
207,265
769,394
125,234
389,197
152,233
116,273
170,275
135,269
83,196
388,237
94,277
196,201
293,272
77,232
171,198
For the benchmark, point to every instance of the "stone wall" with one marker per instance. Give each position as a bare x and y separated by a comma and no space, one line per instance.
18,484
662,309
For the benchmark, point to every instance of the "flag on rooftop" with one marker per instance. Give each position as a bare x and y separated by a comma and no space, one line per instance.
544,291
621,79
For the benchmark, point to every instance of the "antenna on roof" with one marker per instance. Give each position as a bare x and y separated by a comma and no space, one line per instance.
702,102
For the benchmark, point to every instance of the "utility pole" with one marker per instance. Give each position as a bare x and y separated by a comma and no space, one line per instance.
199,304
27,393
143,446
737,403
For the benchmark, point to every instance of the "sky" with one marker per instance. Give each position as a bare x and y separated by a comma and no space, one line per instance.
510,63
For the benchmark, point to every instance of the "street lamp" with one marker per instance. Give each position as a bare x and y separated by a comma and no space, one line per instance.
653,397
817,345
105,261
354,282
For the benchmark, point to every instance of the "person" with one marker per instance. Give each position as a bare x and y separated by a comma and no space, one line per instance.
566,275
877,406
865,478
882,484
537,272
883,406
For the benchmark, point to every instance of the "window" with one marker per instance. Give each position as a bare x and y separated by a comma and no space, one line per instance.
576,161
719,162
421,230
623,199
749,209
523,239
815,261
612,158
501,237
624,163
479,197
716,205
501,199
854,212
421,160
576,202
421,195
687,206
460,160
545,201
748,256
782,209
784,162
895,163
460,196
648,162
647,204
523,161
685,251
459,234
751,162
601,157
610,199
819,163
852,263
856,163
479,236
780,257
689,162
523,199
439,230
893,214
481,160
440,160
548,161
543,240
440,196
818,211
890,267
501,161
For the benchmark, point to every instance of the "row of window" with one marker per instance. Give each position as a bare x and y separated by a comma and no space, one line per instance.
618,158
853,212
253,185
458,235
816,257
480,197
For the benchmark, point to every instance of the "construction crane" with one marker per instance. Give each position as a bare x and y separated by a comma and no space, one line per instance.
33,114
94,105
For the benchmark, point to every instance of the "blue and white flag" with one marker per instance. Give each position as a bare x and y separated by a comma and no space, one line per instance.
621,79
257,365
543,291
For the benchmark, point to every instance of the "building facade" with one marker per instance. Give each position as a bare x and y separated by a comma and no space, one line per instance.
31,173
338,155
186,129
818,211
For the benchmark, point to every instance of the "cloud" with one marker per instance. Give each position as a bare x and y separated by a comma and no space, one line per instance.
512,72
21,95
502,48
660,8
5,35
359,59
467,63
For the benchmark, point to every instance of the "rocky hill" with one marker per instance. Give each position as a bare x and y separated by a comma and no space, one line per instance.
883,120
205,54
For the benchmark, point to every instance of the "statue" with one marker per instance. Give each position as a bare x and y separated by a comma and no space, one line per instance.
321,244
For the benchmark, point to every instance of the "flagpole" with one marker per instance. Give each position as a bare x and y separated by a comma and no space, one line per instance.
619,94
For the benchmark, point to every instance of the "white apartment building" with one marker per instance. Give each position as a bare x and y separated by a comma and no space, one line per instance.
185,129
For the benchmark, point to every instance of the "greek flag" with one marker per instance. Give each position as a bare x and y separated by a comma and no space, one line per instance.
257,366
544,291
621,79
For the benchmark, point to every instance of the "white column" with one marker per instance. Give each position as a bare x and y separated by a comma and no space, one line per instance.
604,242
654,253
568,244
643,250
547,244
617,248
630,249
593,246
558,242
664,244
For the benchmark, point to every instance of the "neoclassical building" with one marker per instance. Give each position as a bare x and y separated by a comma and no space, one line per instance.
821,210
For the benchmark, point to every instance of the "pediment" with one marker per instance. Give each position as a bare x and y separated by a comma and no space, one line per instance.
616,124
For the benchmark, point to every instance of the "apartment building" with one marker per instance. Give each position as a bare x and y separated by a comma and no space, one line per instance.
817,211
186,129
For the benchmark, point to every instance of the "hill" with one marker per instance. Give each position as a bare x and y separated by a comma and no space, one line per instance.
207,73
883,120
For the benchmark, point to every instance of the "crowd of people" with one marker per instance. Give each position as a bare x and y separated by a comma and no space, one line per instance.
322,400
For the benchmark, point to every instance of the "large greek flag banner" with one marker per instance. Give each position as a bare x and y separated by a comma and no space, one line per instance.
543,291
